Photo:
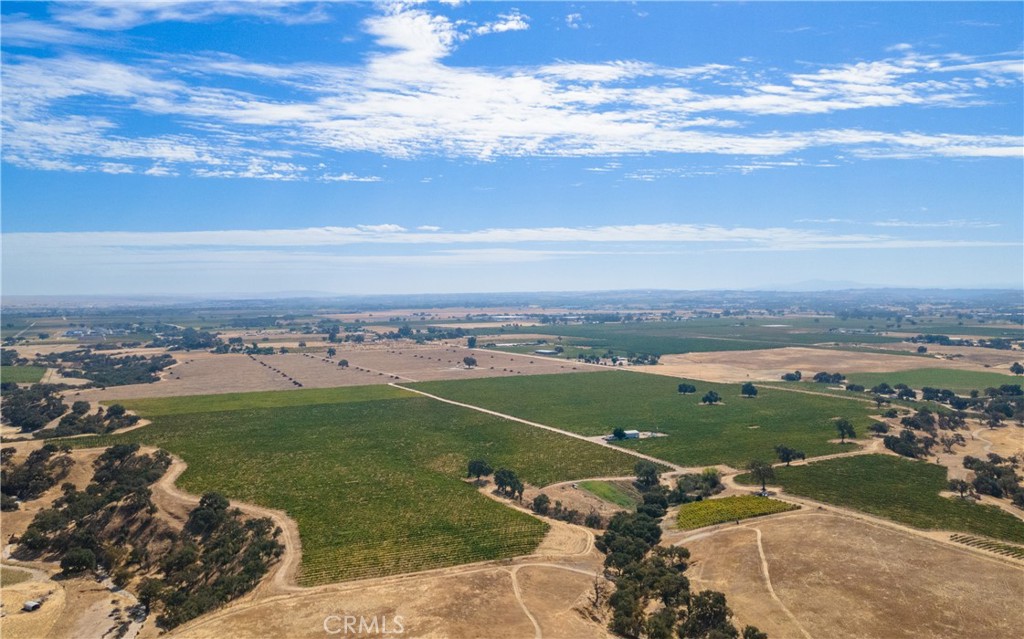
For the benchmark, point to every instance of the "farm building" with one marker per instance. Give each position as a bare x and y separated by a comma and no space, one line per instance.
627,434
31,605
545,351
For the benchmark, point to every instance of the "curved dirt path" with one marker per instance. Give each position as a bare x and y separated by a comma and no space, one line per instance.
176,503
487,411
771,589
940,536
522,604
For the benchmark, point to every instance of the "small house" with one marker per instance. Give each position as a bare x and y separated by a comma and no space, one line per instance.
31,605
632,434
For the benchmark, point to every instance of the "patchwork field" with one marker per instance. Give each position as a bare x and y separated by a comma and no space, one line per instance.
709,512
770,364
898,489
733,432
839,577
612,492
22,374
705,335
201,373
374,483
958,381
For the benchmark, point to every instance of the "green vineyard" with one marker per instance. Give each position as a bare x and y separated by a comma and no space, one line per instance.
1007,550
717,511
374,483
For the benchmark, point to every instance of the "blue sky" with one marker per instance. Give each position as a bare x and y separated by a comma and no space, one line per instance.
259,147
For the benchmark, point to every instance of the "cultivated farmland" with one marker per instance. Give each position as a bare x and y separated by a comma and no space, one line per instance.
375,484
21,374
899,489
612,492
709,512
703,335
958,381
201,373
733,432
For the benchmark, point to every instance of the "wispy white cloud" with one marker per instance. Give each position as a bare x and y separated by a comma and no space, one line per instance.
406,102
120,15
20,30
512,21
936,224
773,238
350,177
574,21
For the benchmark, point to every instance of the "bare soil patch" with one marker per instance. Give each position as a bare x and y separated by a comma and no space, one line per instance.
573,498
16,624
454,603
841,577
770,364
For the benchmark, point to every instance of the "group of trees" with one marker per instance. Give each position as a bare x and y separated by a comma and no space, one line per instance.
107,370
998,343
40,471
829,378
506,480
216,557
695,487
174,338
713,397
652,597
996,477
78,421
10,358
107,518
908,444
31,408
901,391
542,506
795,376
925,429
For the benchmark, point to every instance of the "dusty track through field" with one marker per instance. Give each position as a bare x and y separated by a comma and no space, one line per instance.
176,503
566,433
771,589
937,536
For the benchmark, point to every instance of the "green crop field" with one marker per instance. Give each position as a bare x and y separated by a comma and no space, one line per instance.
22,374
611,492
732,433
374,484
709,512
162,406
899,489
727,334
955,380
11,576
